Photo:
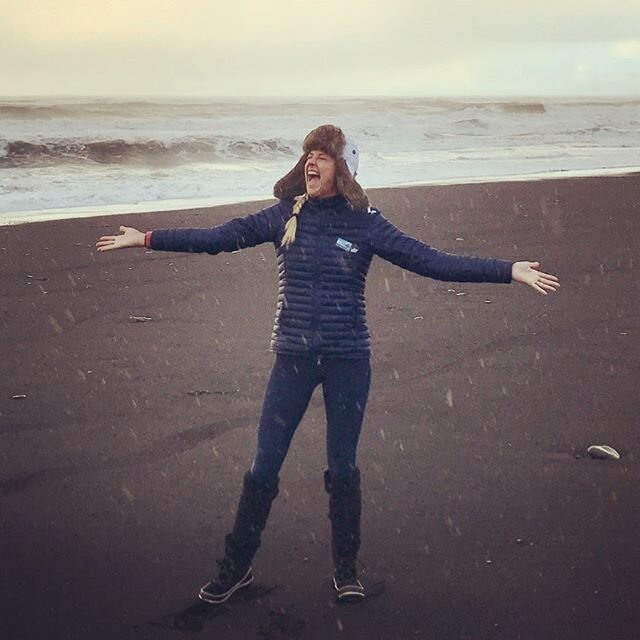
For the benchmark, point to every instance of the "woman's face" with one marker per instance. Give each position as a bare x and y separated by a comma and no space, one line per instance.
320,175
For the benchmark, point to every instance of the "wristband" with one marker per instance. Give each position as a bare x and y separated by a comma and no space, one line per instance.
147,239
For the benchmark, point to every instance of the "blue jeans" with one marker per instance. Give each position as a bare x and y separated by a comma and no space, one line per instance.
345,387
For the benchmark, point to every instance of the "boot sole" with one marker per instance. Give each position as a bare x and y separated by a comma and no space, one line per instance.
349,592
219,598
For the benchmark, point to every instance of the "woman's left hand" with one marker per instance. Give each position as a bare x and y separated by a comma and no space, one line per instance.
527,273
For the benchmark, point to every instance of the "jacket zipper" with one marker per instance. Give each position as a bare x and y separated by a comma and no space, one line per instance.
315,338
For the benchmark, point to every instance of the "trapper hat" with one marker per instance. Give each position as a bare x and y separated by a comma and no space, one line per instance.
333,141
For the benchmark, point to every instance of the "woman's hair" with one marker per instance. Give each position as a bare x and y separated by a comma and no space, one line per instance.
292,223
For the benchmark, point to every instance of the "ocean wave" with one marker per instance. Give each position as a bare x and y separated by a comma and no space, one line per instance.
522,107
575,133
112,109
33,112
105,109
22,153
473,122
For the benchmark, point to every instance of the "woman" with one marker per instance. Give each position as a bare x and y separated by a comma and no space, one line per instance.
325,234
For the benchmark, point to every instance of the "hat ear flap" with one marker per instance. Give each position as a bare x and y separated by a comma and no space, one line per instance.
348,186
293,184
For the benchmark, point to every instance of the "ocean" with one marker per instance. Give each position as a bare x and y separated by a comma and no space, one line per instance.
68,157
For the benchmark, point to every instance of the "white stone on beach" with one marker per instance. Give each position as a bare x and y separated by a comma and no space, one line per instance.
603,451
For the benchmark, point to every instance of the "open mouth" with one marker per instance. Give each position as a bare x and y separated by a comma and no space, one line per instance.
312,175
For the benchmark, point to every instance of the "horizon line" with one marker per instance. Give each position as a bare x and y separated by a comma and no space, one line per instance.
326,96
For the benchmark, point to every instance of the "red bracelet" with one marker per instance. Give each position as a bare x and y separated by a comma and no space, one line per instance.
147,239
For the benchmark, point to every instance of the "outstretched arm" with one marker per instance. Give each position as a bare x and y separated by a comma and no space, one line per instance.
232,235
414,255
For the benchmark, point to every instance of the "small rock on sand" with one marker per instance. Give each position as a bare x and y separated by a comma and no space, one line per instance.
603,452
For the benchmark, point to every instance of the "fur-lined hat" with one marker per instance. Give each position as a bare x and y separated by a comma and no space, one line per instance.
331,140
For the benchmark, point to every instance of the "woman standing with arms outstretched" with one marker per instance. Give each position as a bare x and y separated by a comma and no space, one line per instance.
325,235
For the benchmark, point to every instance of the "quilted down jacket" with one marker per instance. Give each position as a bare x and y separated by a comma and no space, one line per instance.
321,303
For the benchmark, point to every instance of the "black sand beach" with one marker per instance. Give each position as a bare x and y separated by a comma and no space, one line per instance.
483,516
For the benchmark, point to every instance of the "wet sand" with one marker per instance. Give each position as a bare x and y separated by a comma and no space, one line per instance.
483,517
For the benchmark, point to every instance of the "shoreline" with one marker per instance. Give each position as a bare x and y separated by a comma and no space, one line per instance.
16,218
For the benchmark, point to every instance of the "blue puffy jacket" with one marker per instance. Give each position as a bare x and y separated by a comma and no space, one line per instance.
321,305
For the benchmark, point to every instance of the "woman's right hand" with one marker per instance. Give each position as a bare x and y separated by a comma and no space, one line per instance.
130,237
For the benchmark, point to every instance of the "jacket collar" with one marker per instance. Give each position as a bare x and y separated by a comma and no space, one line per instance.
332,202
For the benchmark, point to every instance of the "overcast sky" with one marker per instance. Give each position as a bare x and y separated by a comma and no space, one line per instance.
309,48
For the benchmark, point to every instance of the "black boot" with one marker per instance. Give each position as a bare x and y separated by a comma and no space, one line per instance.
234,570
345,506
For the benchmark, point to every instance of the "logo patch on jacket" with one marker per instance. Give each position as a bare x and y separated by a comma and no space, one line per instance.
345,245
